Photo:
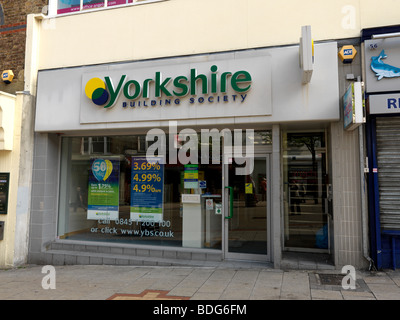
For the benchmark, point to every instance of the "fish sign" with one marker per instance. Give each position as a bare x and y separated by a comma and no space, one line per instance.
381,69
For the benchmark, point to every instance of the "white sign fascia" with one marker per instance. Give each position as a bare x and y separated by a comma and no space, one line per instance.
306,54
384,103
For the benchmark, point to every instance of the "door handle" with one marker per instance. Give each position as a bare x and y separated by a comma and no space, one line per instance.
230,203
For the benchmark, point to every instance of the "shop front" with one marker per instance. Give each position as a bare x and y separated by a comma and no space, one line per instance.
209,157
382,61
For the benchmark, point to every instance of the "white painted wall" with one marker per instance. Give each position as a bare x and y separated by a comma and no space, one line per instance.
9,162
184,27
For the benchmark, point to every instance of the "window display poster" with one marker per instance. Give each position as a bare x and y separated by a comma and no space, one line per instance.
66,6
115,2
92,4
147,184
191,176
103,190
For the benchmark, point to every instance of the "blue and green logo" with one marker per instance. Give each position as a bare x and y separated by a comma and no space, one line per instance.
96,91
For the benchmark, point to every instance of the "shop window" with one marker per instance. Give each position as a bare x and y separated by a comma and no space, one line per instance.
110,191
67,6
92,4
305,176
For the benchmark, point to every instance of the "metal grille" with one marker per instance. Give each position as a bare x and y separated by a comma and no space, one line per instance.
388,156
330,279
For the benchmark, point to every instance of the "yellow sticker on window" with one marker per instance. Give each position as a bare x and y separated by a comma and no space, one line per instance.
249,188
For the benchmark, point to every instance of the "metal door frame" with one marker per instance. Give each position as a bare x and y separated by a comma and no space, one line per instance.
226,207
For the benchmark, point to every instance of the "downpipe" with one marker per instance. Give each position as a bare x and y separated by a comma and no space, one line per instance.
364,211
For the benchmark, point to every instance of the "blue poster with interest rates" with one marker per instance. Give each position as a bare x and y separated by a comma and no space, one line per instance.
147,186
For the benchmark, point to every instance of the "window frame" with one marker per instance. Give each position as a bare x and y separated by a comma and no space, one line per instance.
53,8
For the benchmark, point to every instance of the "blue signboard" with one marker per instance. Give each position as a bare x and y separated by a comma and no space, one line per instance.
147,184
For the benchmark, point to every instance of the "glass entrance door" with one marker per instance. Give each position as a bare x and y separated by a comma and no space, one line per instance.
306,192
246,210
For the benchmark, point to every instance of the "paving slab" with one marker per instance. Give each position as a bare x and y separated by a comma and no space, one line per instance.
385,291
356,295
214,286
380,278
206,296
295,285
195,283
272,293
326,295
183,291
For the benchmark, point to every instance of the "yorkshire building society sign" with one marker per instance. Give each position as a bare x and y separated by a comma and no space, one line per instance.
217,89
186,90
105,93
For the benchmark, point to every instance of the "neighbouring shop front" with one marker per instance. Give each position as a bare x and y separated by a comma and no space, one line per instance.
222,155
382,62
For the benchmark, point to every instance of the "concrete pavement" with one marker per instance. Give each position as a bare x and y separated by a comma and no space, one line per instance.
106,282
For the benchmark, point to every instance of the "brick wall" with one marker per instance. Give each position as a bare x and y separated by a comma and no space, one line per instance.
12,38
